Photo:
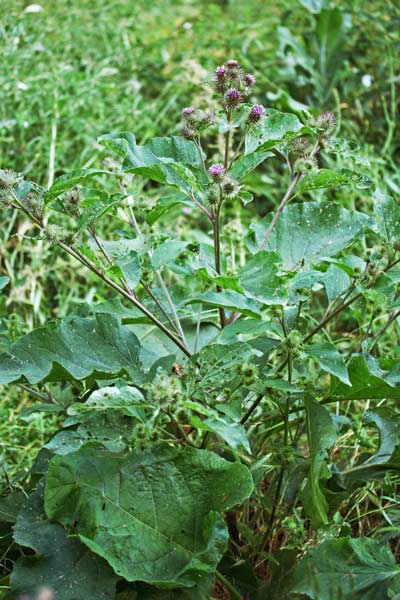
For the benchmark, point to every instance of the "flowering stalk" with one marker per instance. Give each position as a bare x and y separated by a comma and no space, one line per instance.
217,256
227,140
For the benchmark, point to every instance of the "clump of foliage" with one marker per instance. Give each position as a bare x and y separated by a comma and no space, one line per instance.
198,456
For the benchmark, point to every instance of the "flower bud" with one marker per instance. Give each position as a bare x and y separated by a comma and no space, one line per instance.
300,146
214,195
33,202
165,390
247,372
305,164
140,432
230,188
188,132
8,178
220,81
71,201
56,234
232,98
216,172
188,113
326,122
232,65
249,79
256,112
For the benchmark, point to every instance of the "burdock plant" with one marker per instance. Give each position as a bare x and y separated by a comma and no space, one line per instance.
199,455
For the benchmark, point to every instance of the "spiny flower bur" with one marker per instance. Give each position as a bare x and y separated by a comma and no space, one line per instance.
299,147
230,188
56,234
9,179
216,172
165,390
33,202
232,99
194,121
305,164
71,202
256,113
326,123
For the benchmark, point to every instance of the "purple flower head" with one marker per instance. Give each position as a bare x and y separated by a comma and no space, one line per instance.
256,113
188,112
233,97
216,171
220,71
232,64
249,79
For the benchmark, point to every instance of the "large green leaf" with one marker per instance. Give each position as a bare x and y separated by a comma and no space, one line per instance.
230,300
386,458
166,253
165,160
246,164
364,384
388,424
260,280
321,437
125,255
272,130
326,178
218,369
329,359
349,569
232,432
153,515
63,564
309,232
107,417
387,213
72,349
66,182
336,282
202,591
126,400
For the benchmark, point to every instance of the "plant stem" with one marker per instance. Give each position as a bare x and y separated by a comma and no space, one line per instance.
128,295
35,393
252,408
172,307
200,149
237,152
217,257
125,291
178,326
160,306
227,140
198,325
100,246
392,317
276,502
285,200
233,592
